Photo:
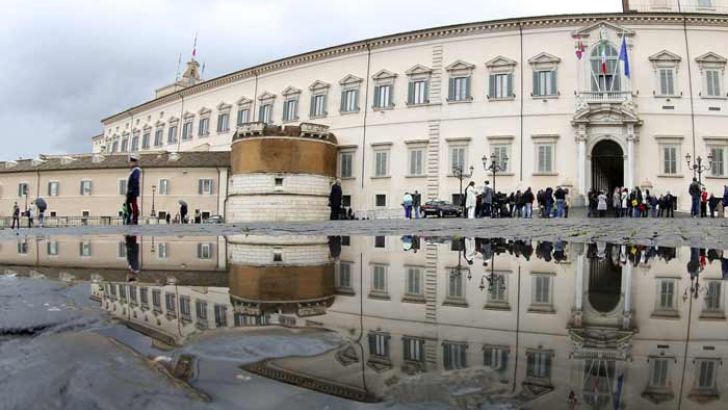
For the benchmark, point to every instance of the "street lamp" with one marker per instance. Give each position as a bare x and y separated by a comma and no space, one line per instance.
495,165
154,191
697,166
460,174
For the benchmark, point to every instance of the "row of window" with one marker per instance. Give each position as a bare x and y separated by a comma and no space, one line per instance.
140,295
455,354
455,292
204,250
205,186
500,87
544,157
458,159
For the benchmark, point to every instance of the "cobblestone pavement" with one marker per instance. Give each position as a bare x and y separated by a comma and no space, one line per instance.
712,233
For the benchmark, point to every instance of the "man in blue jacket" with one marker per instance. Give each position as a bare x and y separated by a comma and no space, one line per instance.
132,190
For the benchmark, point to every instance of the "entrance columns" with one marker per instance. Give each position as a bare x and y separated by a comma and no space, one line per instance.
627,292
581,160
630,174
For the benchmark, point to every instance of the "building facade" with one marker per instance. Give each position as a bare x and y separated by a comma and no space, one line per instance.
409,108
93,187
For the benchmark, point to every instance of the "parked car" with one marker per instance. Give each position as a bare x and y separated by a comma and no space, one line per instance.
440,208
215,219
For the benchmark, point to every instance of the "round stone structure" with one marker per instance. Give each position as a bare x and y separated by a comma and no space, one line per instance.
281,173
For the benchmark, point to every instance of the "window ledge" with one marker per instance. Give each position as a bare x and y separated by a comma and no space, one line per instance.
416,176
546,97
465,101
712,315
224,131
717,177
455,302
668,97
318,117
347,178
705,97
389,108
379,296
345,291
544,174
455,176
413,105
665,314
542,309
381,177
413,299
291,121
676,176
495,99
497,306
357,111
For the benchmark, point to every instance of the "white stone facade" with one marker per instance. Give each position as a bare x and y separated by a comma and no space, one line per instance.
407,108
285,197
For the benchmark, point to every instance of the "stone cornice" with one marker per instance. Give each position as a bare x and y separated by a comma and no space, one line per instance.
459,30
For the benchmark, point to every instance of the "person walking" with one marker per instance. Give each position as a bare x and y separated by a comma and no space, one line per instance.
41,205
407,204
16,217
669,205
416,204
183,211
29,214
487,200
528,199
602,204
560,197
335,200
654,205
616,202
519,204
471,198
549,202
133,190
694,191
704,203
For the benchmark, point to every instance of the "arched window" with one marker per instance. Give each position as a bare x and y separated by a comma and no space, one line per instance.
601,81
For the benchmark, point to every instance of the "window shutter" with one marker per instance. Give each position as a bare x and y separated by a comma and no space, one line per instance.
509,79
554,89
491,90
356,100
212,187
427,92
451,89
536,85
324,104
411,92
342,107
199,187
377,96
312,110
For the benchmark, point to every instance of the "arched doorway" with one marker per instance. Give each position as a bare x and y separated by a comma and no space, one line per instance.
607,160
605,285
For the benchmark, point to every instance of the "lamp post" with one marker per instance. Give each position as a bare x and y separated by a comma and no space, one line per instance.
154,191
460,174
494,166
697,165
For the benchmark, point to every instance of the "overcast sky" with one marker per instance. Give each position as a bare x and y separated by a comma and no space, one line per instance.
67,64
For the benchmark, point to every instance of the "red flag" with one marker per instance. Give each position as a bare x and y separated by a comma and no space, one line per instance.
580,49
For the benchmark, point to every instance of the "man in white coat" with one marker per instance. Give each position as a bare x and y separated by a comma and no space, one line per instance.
471,200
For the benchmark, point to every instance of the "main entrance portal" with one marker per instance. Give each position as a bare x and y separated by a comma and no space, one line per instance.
607,162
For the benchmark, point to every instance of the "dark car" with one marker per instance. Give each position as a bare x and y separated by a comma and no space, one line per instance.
440,208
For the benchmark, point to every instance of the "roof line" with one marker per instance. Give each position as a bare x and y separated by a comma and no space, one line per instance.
389,39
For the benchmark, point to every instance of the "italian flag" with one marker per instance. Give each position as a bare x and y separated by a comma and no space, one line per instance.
604,59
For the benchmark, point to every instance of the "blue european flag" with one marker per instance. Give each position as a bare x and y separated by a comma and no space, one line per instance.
624,57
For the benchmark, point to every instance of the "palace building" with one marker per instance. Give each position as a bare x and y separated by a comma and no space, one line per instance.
581,101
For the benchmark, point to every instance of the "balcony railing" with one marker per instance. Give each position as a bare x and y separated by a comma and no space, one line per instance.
606,97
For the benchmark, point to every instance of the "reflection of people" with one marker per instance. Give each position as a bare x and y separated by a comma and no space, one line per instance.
132,255
469,250
335,246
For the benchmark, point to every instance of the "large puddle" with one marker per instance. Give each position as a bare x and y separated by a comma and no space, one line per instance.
359,322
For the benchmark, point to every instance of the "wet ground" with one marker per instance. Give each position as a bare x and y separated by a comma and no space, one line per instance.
349,322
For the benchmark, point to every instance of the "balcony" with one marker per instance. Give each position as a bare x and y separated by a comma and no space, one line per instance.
605,97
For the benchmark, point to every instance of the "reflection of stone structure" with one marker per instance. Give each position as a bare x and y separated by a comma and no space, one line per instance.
283,276
281,174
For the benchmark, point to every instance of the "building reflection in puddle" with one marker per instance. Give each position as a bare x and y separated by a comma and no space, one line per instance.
468,318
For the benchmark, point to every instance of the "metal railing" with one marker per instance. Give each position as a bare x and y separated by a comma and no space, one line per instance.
68,221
